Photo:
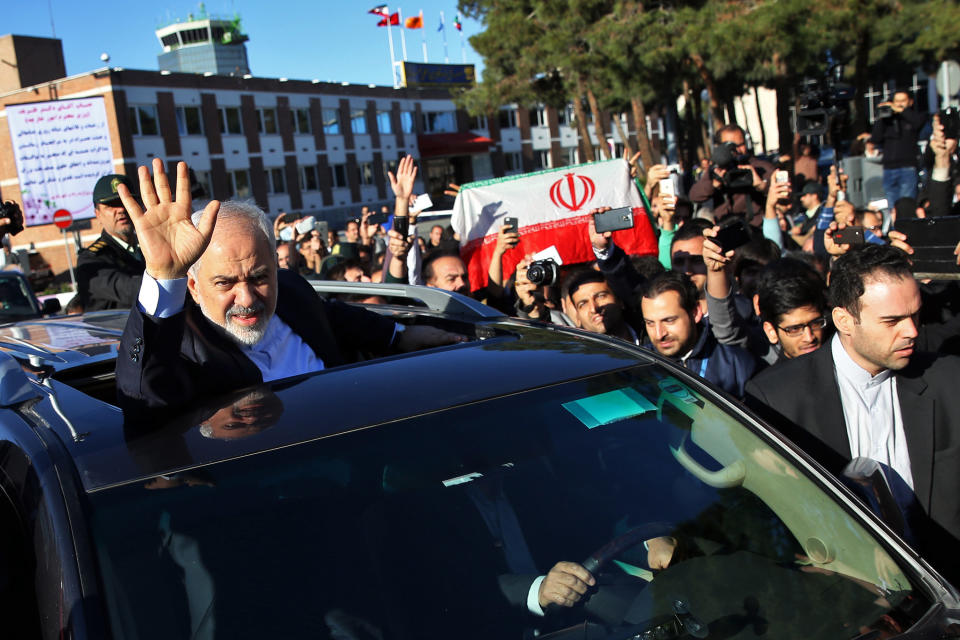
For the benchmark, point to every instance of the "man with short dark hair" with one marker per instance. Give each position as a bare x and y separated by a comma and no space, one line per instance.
109,270
867,394
595,307
677,329
710,187
446,271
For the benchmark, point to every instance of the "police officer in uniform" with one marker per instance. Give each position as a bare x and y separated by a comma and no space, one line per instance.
109,270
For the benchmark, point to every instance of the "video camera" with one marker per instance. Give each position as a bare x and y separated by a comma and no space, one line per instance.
11,210
822,100
734,179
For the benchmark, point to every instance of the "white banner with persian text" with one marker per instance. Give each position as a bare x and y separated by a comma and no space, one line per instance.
61,149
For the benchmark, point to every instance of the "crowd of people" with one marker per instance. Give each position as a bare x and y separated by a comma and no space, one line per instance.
755,288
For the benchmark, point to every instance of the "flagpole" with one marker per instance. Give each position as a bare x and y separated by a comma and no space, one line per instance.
463,48
403,37
443,28
393,61
423,31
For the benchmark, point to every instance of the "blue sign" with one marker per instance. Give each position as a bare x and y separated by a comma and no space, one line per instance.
417,74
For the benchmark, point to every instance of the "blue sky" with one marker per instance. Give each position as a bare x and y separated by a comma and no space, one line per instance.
323,39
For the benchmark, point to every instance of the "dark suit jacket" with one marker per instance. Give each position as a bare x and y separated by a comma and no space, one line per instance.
800,396
167,362
108,276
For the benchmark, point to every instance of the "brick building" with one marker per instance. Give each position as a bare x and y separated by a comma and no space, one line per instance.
290,145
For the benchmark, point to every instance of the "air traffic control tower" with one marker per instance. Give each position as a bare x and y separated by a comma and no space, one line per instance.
204,44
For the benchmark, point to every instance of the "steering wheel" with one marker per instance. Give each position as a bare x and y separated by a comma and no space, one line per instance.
602,556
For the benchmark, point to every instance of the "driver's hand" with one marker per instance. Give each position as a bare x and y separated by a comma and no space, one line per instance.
564,585
660,552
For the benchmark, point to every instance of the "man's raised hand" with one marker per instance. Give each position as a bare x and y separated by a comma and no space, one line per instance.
168,239
402,182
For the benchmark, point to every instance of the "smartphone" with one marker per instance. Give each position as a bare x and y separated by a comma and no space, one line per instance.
513,223
733,234
377,218
323,229
780,176
933,241
667,187
286,234
849,235
306,225
423,202
401,224
614,220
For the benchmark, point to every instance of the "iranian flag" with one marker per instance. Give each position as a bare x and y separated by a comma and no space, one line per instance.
551,208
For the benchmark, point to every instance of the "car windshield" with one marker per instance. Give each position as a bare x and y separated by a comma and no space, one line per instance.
438,526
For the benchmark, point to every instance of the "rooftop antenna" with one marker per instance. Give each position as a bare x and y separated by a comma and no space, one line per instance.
53,29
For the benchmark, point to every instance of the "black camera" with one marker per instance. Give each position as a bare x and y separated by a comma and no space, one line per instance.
823,101
734,179
884,111
950,119
542,272
11,210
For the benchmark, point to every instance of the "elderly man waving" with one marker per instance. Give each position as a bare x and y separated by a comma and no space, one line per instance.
243,322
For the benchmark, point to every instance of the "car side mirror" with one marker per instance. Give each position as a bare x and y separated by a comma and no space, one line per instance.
50,305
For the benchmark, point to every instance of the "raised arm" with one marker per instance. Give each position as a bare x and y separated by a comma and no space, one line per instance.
167,237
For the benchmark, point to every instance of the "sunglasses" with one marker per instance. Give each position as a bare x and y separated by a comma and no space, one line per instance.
687,263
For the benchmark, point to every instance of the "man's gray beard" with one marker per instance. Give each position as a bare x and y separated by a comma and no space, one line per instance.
244,336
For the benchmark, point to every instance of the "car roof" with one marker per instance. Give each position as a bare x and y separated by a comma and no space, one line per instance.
65,341
513,357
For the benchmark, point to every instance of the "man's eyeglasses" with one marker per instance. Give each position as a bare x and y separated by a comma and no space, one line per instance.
797,329
686,263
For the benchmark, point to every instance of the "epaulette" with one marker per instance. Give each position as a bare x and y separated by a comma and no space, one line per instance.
97,246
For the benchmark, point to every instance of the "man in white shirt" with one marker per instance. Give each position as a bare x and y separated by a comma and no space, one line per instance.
244,321
869,395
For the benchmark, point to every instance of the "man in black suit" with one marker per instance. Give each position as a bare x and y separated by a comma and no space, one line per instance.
109,270
867,394
244,321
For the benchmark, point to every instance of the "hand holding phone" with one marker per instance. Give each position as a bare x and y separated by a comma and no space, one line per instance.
614,220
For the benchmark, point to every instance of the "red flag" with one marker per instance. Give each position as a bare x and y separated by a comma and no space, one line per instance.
379,10
394,19
414,22
456,23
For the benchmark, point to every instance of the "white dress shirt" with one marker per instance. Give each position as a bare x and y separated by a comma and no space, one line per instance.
871,411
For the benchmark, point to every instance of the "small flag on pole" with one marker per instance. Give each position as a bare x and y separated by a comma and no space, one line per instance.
414,22
394,19
379,10
456,23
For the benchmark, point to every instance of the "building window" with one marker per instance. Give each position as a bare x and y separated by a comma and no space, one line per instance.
406,121
439,122
230,120
331,121
390,166
189,122
203,182
563,116
365,170
308,178
300,120
542,160
276,182
513,162
340,175
239,183
479,122
143,120
267,121
358,121
540,117
507,118
384,124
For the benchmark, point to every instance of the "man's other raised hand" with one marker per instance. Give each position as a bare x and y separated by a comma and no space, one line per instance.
168,239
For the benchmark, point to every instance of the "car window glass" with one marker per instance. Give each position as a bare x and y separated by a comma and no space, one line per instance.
436,526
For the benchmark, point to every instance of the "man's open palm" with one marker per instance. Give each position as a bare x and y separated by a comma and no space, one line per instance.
168,239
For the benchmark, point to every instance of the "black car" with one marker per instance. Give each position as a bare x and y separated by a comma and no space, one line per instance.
17,300
425,495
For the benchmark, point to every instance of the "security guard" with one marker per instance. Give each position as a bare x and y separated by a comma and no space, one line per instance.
109,270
